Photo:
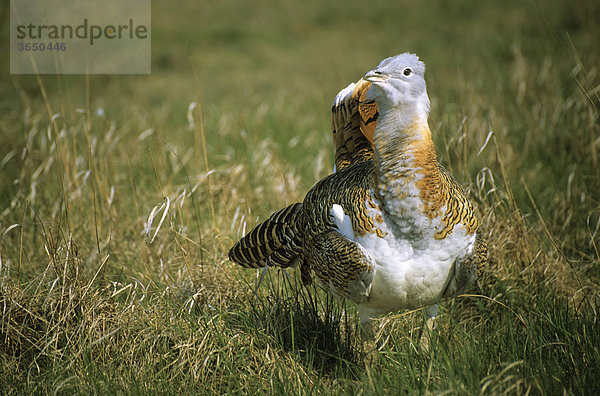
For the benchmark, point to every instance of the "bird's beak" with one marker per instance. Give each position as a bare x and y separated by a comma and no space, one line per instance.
375,76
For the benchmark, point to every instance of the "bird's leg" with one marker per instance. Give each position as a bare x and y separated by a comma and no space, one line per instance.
369,344
429,322
431,313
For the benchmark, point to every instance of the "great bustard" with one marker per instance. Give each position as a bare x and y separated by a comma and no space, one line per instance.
390,229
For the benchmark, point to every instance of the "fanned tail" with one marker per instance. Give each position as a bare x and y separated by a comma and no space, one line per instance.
275,242
354,118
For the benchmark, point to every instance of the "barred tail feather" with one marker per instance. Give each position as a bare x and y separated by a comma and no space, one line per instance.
274,242
354,118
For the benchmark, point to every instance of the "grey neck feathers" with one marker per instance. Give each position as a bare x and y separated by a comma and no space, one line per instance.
397,130
403,150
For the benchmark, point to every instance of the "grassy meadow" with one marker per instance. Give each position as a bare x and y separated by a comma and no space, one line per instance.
120,196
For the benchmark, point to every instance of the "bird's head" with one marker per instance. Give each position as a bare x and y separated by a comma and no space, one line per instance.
399,82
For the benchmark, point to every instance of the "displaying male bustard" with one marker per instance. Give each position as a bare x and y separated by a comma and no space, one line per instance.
390,229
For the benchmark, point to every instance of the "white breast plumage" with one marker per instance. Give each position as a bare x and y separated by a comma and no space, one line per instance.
405,276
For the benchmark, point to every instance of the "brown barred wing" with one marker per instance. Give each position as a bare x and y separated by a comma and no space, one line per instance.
353,121
459,210
336,260
342,264
480,253
471,267
274,242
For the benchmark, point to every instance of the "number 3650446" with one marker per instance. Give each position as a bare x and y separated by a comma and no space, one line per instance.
42,46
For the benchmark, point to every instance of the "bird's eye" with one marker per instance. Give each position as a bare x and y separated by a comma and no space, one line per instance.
407,71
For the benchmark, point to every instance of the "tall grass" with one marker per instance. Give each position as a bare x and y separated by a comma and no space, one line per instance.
120,195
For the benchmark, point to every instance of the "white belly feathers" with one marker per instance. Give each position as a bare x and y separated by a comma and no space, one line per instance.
411,270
